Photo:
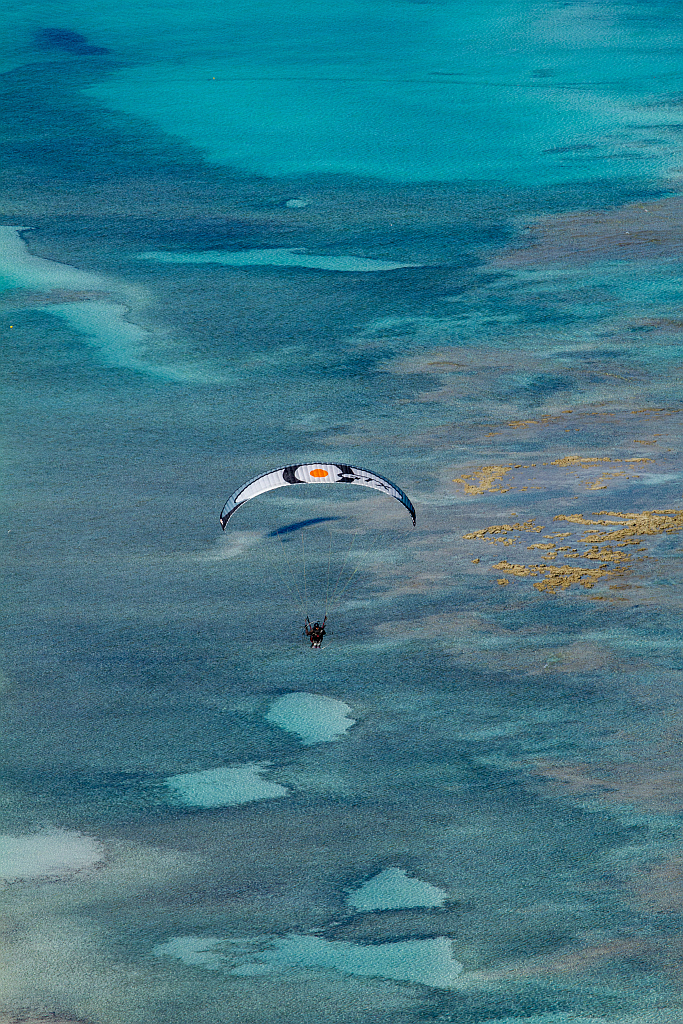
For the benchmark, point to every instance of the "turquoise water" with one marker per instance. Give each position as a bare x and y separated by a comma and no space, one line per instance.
438,240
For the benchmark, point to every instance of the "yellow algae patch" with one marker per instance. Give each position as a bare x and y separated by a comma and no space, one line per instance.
549,549
599,484
606,547
558,577
487,479
484,479
580,460
499,534
577,517
542,422
632,524
527,527
586,462
606,554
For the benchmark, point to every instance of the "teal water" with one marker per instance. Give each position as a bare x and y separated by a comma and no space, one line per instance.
439,240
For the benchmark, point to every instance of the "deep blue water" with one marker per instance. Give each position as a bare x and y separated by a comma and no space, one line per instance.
436,240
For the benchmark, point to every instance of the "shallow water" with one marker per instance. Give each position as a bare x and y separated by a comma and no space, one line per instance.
437,241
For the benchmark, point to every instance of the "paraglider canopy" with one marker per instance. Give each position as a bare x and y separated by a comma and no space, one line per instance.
312,473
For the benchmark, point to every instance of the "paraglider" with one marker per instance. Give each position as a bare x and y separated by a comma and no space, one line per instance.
313,473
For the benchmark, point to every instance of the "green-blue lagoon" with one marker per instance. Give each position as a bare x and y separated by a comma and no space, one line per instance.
434,240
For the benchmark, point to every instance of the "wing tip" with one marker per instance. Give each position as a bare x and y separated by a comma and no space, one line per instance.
224,516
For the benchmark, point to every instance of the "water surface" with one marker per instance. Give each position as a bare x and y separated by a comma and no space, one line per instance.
439,241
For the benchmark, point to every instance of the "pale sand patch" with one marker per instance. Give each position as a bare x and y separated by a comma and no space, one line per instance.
224,787
77,297
392,889
19,268
122,343
314,719
53,854
421,961
279,258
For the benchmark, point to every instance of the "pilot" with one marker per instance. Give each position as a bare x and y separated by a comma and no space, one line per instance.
315,632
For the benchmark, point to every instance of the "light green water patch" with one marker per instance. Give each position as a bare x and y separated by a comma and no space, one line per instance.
330,122
313,718
298,125
121,343
19,268
224,787
392,889
421,961
105,324
53,854
399,90
279,258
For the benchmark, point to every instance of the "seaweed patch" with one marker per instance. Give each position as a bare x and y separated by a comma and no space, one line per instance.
607,547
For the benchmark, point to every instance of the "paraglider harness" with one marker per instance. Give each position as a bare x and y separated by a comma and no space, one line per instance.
315,632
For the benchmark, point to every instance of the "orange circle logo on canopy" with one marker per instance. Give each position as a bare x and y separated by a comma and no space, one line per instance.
319,472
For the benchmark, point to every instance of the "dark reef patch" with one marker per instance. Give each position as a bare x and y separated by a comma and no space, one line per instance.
68,41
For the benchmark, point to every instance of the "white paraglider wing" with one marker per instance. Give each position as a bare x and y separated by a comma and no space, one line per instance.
313,473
